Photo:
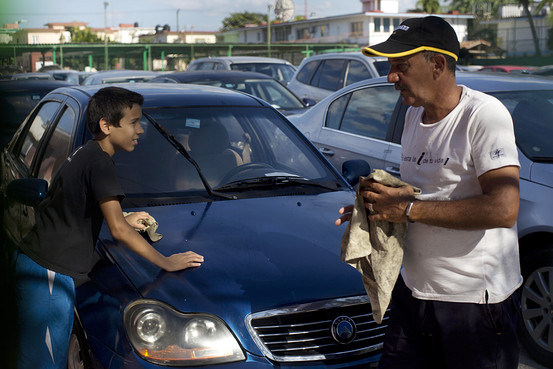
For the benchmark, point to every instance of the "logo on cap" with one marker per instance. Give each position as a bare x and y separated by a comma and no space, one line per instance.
343,330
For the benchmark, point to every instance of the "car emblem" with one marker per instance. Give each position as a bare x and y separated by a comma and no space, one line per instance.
343,330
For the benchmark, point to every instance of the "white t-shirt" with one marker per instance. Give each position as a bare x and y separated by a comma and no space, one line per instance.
445,159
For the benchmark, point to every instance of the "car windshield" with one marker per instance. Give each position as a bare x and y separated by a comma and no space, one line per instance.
532,113
271,91
281,72
229,144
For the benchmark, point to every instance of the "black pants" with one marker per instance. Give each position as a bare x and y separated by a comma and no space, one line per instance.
448,335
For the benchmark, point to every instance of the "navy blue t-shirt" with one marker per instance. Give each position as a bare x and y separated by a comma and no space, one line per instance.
69,219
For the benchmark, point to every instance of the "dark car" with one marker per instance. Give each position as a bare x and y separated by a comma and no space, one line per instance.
17,99
256,84
365,121
225,175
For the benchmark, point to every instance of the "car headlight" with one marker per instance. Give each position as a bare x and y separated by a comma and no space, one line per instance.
162,335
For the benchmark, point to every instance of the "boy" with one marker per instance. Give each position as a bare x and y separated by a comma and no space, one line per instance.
61,245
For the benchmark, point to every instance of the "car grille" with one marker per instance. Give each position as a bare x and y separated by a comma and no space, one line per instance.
322,330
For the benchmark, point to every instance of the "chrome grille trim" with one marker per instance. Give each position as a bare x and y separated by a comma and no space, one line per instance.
289,335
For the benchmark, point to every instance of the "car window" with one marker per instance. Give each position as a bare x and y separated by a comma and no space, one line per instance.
58,147
330,75
356,72
219,66
38,127
382,67
532,113
306,72
366,112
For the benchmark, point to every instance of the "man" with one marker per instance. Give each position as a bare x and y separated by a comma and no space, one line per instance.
454,305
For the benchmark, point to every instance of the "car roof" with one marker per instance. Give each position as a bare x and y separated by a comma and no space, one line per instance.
245,59
484,82
163,94
20,85
350,54
210,75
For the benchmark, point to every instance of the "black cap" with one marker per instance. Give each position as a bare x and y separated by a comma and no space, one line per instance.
418,34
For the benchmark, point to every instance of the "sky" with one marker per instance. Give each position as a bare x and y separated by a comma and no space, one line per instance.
198,15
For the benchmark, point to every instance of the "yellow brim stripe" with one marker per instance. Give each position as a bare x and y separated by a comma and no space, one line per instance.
370,52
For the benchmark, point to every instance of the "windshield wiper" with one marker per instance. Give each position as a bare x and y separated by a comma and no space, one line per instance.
274,181
177,145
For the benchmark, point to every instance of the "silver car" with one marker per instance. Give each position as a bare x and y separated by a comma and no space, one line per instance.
365,121
320,75
279,69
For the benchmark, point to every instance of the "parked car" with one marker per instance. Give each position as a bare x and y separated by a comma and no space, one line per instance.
546,70
6,71
320,75
119,76
517,69
365,121
17,99
72,76
35,75
259,207
256,84
279,69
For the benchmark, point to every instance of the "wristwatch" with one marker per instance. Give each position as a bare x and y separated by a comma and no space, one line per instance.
408,211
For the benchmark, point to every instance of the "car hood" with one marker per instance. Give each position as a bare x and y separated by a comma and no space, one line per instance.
259,254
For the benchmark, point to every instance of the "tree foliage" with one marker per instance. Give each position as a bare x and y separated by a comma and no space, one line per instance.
239,20
429,6
83,35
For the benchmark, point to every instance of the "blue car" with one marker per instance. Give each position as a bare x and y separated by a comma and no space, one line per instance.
229,177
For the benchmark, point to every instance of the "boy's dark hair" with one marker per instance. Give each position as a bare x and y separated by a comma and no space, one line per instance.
108,103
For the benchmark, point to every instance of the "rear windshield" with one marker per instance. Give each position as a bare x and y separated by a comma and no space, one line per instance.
532,113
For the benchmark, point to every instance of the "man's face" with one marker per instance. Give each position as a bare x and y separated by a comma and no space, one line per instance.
412,76
125,137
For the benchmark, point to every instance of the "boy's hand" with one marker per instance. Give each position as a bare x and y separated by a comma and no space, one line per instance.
183,260
136,220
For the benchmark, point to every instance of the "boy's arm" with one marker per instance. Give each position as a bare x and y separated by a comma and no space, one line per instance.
125,234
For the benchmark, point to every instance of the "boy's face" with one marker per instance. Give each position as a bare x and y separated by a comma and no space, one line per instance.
125,137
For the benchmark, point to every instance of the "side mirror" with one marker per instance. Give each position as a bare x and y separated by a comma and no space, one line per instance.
353,169
308,102
27,191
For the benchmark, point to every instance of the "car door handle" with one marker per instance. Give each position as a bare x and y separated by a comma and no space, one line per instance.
393,170
326,151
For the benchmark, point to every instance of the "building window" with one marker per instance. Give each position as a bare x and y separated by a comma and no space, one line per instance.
357,29
377,23
36,39
387,25
396,22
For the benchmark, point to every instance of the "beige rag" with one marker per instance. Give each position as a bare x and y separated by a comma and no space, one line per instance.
150,227
375,248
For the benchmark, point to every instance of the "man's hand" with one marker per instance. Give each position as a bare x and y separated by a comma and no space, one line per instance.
346,212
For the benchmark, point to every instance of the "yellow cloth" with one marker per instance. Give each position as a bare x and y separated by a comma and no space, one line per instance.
375,248
150,228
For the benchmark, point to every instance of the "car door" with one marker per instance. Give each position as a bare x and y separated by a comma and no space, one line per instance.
39,151
358,125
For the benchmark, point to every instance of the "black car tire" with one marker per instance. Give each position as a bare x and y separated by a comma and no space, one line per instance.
536,323
79,355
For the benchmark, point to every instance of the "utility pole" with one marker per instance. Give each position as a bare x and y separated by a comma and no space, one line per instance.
106,64
178,35
269,7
